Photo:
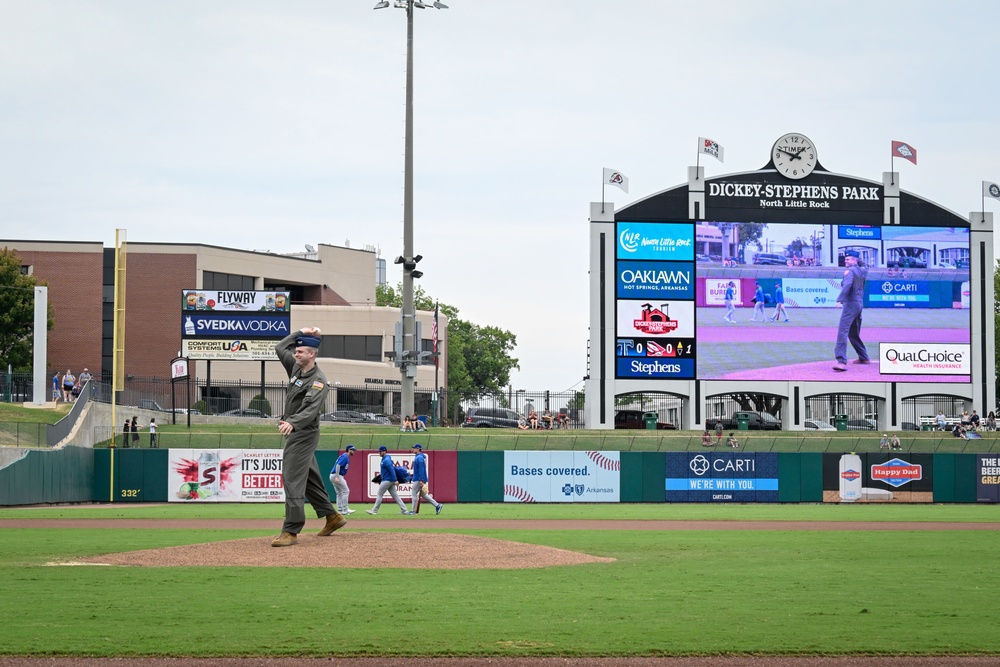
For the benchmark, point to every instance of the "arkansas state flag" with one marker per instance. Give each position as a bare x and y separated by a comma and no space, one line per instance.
905,151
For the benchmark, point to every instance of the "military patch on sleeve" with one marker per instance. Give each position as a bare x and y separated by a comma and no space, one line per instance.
317,385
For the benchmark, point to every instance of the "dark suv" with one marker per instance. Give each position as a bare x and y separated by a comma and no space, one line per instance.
490,418
759,421
633,419
770,259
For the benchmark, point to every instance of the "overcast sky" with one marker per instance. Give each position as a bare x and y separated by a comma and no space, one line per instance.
270,125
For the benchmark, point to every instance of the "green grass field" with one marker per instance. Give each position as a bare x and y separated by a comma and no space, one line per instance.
914,592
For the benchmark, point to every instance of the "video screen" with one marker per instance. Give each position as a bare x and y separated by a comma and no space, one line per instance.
792,302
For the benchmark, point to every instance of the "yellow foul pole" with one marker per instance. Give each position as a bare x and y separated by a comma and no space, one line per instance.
118,359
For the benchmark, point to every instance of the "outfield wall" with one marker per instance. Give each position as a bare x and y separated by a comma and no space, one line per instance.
77,475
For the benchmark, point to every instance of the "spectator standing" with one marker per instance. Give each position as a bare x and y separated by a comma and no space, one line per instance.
338,479
387,482
56,388
126,429
718,432
421,484
299,424
154,441
135,431
67,385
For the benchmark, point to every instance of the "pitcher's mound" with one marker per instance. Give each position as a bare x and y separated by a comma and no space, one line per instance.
440,551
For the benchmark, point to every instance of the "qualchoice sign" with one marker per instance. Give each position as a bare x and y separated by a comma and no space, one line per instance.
225,475
561,477
924,359
722,477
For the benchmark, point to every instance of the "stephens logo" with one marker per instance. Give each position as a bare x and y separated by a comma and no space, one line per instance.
897,472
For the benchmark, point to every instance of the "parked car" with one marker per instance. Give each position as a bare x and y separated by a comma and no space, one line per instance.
351,416
759,421
910,426
490,418
818,425
185,411
146,404
909,263
245,412
862,425
633,419
375,418
702,258
770,259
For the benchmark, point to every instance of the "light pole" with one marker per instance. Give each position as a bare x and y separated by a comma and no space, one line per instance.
410,352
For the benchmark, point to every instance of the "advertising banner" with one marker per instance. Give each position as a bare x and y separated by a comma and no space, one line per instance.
810,292
722,477
924,359
209,325
225,475
561,477
644,319
988,478
229,349
374,462
715,291
235,301
655,240
655,280
878,477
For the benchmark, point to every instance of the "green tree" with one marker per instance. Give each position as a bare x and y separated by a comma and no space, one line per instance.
479,357
17,312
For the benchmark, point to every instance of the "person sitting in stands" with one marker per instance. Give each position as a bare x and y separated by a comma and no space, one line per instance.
991,421
974,421
733,442
533,419
959,432
547,418
941,421
407,423
522,423
706,439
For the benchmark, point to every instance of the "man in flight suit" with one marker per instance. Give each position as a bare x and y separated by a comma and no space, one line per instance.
852,300
304,401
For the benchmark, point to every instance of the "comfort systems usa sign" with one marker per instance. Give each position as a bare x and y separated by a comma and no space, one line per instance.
924,359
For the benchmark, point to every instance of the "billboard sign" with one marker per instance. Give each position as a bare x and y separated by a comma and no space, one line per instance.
655,280
918,359
236,300
225,475
656,241
561,477
227,325
231,349
722,477
233,325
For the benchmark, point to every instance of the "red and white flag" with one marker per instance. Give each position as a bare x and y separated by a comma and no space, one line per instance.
434,334
709,147
616,178
905,151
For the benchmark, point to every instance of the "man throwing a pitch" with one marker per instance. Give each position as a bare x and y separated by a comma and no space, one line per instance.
304,401
852,300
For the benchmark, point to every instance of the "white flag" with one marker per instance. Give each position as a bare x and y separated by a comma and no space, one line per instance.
710,147
991,190
616,178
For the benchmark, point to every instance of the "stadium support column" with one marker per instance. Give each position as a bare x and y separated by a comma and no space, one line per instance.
696,193
890,184
599,408
39,368
981,302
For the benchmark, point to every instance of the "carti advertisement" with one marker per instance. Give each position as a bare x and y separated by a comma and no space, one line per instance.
713,477
561,477
225,475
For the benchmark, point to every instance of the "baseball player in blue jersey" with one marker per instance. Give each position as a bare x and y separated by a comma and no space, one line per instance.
729,299
387,472
758,306
337,476
420,486
779,304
